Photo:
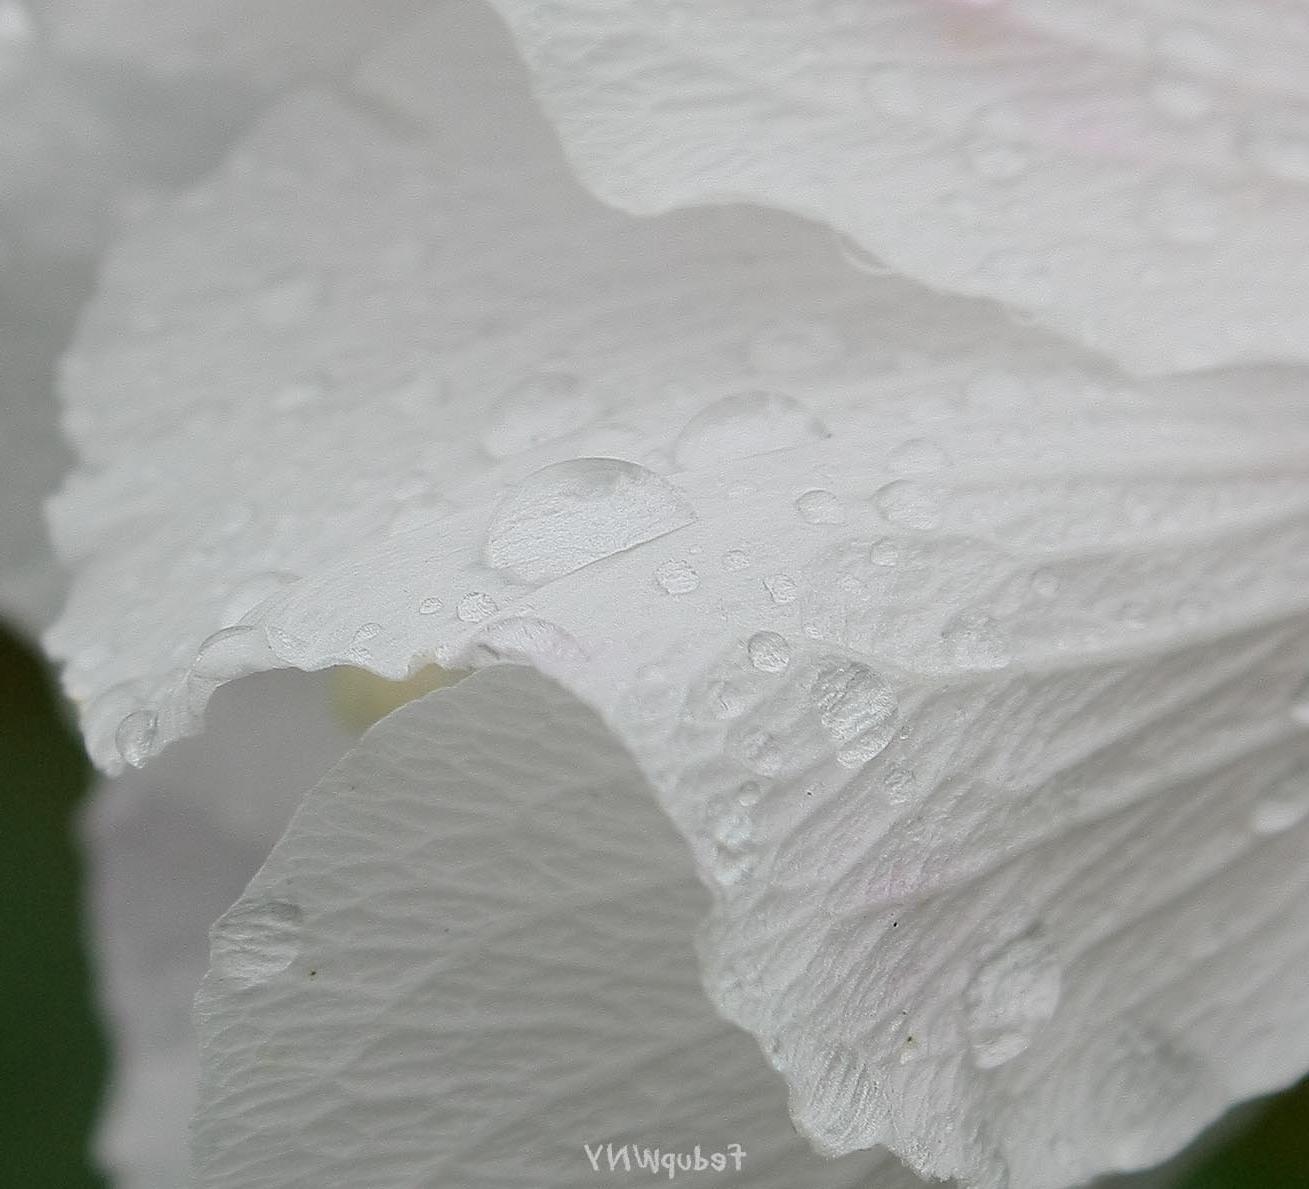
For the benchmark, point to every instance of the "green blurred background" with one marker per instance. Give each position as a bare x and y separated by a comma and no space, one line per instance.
52,1047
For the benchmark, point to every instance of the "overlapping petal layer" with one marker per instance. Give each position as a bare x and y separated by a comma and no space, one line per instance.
968,670
1133,174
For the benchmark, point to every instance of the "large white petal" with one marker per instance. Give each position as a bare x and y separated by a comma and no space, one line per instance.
1134,174
468,961
168,850
974,692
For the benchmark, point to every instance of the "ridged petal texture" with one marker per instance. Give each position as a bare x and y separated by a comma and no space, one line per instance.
1134,173
969,671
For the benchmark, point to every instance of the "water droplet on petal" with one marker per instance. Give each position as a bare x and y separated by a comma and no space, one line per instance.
782,588
677,578
820,507
1011,997
795,346
430,606
736,560
1045,584
884,552
251,943
745,424
574,513
857,708
974,640
233,652
769,652
908,504
476,606
538,409
135,737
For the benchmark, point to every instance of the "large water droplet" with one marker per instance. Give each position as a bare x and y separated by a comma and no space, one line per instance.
745,424
974,640
135,737
574,513
250,943
820,507
677,578
795,346
908,504
234,652
857,708
782,588
537,409
1009,1000
769,652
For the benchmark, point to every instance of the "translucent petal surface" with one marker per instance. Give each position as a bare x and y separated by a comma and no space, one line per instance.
466,964
168,850
1132,173
967,669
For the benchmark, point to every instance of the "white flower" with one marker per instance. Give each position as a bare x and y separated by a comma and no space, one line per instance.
945,681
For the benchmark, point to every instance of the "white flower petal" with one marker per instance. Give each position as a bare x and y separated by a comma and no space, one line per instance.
1133,174
168,850
973,686
467,961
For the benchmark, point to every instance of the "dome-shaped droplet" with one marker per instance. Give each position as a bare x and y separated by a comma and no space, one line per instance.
430,605
234,652
135,737
795,346
745,424
818,506
1011,997
539,408
884,552
974,640
857,708
677,578
574,513
769,652
251,943
908,504
736,560
476,606
782,588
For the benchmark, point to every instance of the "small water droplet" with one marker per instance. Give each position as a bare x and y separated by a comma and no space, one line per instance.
974,640
820,507
1011,997
857,708
476,606
252,942
782,588
736,560
1045,583
233,652
571,514
539,408
909,505
366,632
769,652
917,456
135,737
795,346
884,552
743,425
677,578
430,606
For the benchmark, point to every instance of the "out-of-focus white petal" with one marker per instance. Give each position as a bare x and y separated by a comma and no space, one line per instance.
468,962
1133,174
968,670
168,850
